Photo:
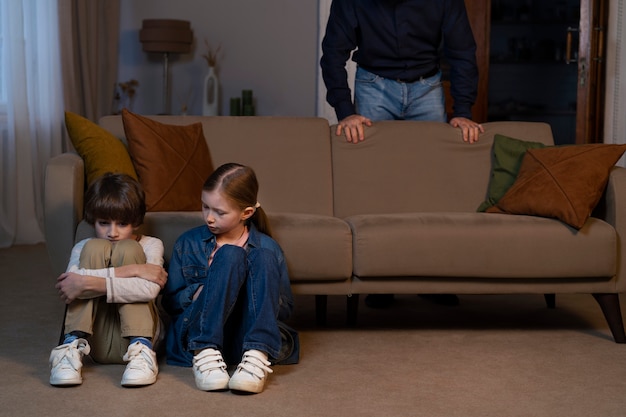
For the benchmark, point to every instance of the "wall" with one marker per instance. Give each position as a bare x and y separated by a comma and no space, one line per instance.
268,46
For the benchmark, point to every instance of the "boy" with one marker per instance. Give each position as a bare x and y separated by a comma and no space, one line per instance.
110,287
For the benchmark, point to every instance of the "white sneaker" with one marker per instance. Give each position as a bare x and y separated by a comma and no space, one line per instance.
209,370
251,373
142,368
66,361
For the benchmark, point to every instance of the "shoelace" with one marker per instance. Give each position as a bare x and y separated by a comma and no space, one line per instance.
254,365
209,360
72,354
137,358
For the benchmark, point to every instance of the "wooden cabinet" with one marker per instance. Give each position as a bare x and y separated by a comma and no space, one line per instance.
542,60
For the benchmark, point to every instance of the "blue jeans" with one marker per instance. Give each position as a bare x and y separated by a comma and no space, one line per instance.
379,98
238,307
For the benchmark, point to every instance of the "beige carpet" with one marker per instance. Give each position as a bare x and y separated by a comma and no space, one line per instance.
491,356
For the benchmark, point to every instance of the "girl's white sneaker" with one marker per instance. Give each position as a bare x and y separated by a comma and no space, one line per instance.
251,373
209,370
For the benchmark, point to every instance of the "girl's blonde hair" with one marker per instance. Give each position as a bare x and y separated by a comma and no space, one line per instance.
239,184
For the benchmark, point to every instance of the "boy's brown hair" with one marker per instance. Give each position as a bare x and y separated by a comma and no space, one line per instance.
116,197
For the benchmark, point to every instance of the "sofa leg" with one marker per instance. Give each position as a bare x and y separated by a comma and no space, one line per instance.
321,304
352,309
550,300
609,303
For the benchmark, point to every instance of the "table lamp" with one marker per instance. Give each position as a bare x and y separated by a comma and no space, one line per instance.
166,36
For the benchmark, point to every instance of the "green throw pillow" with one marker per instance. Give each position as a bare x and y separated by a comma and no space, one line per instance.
507,157
101,151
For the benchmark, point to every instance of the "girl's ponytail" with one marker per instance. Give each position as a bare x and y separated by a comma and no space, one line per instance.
261,221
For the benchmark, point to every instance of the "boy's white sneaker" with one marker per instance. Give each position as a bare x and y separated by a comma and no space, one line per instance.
142,368
251,373
209,370
66,362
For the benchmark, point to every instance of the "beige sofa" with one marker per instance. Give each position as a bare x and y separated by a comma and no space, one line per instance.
393,214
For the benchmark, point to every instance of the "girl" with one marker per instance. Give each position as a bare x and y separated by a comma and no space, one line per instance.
228,288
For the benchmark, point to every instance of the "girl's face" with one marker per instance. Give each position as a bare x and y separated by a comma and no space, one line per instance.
222,216
113,230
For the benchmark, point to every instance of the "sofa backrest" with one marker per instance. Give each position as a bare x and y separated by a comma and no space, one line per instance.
290,155
407,166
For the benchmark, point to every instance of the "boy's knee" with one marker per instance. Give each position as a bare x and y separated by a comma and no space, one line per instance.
95,254
127,252
97,246
128,245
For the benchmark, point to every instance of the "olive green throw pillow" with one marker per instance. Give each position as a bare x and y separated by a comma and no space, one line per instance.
101,151
507,156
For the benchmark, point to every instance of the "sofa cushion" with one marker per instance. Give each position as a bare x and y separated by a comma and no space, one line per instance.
172,162
101,151
317,248
480,245
564,182
506,159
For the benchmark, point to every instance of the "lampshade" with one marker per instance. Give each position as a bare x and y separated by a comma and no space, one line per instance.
166,36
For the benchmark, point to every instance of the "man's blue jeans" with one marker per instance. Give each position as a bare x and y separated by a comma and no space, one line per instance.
238,307
379,98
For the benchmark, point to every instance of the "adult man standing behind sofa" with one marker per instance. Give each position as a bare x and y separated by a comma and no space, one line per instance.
396,46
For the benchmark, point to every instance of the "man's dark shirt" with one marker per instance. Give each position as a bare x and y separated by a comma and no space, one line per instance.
399,39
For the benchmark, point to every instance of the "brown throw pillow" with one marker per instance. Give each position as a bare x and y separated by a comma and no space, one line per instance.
563,182
101,151
172,162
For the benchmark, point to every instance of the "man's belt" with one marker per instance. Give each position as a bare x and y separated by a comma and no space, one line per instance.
420,78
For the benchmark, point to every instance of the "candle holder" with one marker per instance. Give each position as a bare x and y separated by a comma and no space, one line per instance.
247,103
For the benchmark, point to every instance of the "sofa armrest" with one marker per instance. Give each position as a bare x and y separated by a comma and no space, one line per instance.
615,200
64,187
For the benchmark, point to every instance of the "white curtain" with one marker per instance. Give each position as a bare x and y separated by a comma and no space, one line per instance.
615,103
31,114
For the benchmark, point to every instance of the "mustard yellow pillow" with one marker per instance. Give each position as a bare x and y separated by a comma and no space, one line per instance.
101,151
562,182
172,162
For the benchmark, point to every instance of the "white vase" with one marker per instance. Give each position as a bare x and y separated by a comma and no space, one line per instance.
210,94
